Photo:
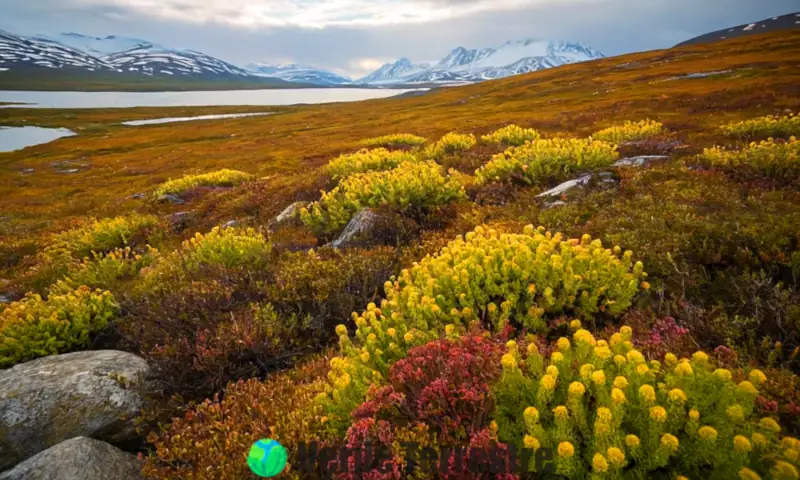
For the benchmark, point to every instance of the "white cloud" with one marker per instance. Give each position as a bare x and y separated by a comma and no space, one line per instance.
315,13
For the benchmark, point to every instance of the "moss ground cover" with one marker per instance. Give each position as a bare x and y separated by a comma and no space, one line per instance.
470,328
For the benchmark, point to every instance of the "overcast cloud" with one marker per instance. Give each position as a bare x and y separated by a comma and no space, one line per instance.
354,37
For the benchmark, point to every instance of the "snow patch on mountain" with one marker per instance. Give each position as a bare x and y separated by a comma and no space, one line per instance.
99,46
391,72
19,51
298,73
151,60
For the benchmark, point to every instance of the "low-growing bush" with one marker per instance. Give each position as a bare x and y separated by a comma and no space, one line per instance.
378,159
485,278
548,160
36,327
211,441
768,126
605,411
220,178
512,135
107,270
395,140
778,160
451,143
101,236
630,131
411,186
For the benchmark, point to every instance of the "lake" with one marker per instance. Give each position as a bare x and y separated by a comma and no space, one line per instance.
289,96
15,138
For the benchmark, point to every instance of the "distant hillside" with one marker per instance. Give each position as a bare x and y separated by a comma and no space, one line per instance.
768,25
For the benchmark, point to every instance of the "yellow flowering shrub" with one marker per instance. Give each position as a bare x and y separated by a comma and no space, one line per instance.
768,126
451,143
410,185
775,159
485,278
395,140
549,159
100,236
106,270
682,417
36,327
220,178
367,160
512,135
630,131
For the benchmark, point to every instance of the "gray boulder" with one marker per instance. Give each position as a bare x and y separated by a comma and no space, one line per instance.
638,161
290,215
359,230
573,188
51,399
78,458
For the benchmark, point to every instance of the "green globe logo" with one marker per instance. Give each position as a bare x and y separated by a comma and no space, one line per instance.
267,458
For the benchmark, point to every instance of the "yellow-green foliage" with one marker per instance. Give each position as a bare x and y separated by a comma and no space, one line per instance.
512,135
105,270
394,140
367,160
411,185
489,278
630,131
548,159
99,236
220,178
779,160
451,143
768,126
606,412
34,327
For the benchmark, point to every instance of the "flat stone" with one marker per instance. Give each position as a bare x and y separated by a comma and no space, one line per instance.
171,198
638,161
564,187
51,399
78,458
359,228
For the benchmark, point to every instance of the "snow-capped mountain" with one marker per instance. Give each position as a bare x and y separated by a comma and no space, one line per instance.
99,46
391,72
17,51
298,73
163,61
464,65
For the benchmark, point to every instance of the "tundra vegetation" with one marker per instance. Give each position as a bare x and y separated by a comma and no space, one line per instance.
643,325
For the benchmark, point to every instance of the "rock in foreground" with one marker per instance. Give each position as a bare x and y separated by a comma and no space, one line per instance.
51,399
78,458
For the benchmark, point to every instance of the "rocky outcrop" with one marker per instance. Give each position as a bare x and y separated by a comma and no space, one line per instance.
289,216
557,195
51,399
360,230
370,227
78,458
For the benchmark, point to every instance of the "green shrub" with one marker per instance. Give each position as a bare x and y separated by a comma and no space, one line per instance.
512,135
107,270
630,131
378,159
220,178
211,441
607,412
395,140
775,159
489,278
412,185
34,327
100,236
768,126
451,143
541,161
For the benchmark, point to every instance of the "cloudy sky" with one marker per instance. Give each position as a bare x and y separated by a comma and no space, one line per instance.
354,37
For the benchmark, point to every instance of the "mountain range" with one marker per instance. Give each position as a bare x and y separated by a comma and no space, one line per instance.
138,57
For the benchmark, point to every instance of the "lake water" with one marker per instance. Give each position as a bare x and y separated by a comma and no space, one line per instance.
15,138
156,121
289,96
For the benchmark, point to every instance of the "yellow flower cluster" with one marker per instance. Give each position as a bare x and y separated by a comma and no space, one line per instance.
630,131
395,140
220,178
364,160
412,184
450,143
772,126
34,327
678,418
775,159
99,236
546,159
512,135
228,247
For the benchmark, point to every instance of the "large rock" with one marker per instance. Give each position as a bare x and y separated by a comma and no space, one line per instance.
289,216
78,458
572,188
51,399
371,227
359,230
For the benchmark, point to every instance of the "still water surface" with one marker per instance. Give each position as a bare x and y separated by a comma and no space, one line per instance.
15,138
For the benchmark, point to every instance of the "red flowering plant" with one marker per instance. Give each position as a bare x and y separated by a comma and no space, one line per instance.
438,399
